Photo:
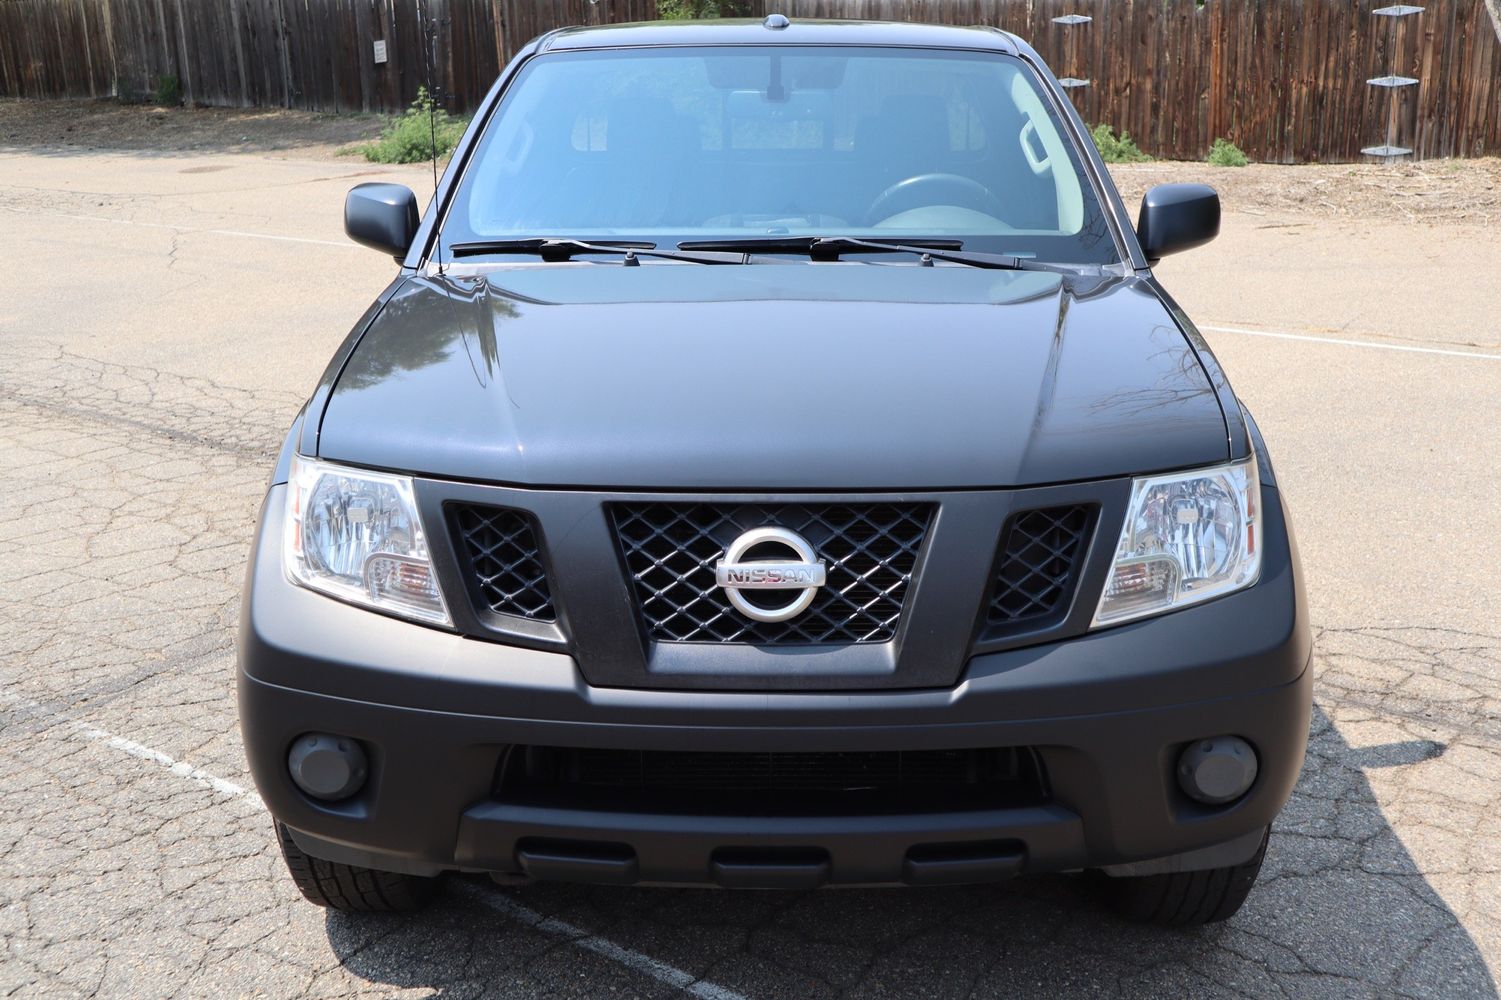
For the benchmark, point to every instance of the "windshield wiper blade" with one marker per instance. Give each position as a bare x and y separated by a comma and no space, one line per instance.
818,247
554,250
832,247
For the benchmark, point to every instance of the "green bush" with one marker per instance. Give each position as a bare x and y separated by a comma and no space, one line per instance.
1226,154
409,137
168,91
688,10
1116,150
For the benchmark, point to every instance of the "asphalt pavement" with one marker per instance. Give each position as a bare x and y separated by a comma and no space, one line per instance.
162,317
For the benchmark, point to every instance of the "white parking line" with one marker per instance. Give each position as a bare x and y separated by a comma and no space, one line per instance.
1345,342
138,750
345,244
285,239
578,937
645,964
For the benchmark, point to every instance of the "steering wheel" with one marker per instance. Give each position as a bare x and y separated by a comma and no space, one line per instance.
934,189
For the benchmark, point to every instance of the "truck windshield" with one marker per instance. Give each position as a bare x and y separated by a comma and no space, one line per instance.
688,144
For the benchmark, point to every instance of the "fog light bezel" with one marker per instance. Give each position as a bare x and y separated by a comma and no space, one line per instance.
1219,751
330,750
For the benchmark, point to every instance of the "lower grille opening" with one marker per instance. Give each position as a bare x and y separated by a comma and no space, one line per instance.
1037,568
772,783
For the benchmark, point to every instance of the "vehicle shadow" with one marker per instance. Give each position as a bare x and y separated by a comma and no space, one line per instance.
1341,909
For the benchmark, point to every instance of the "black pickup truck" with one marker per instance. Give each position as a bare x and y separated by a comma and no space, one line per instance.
776,465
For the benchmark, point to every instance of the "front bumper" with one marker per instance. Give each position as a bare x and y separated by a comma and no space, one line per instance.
1106,713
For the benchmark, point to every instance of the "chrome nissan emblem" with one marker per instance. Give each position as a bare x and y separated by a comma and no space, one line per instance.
804,573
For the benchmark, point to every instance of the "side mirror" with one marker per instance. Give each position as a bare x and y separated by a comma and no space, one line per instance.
1176,217
382,217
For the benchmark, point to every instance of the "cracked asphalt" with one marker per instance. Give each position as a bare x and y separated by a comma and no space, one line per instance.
162,318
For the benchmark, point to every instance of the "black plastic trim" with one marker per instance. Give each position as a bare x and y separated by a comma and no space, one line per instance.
598,621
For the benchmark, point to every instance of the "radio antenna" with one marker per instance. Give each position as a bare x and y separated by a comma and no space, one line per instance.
429,29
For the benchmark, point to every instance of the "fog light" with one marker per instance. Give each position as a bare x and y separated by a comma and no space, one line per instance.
327,767
1218,770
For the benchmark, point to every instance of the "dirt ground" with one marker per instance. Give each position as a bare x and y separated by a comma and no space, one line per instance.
111,125
1429,191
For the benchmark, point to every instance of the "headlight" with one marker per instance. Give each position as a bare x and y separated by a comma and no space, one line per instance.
1188,537
356,535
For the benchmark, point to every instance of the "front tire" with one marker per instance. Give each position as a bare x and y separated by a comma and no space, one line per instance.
1186,899
349,887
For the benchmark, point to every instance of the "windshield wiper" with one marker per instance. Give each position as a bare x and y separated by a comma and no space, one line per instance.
833,247
554,250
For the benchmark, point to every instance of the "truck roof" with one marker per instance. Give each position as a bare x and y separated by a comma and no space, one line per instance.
798,31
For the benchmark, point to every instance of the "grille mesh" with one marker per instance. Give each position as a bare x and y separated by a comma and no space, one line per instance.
870,550
504,560
1038,566
791,771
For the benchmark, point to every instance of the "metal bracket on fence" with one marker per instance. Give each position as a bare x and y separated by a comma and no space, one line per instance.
1389,150
1072,21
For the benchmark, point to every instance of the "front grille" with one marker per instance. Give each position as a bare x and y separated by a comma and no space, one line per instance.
503,560
870,550
1037,567
709,780
707,770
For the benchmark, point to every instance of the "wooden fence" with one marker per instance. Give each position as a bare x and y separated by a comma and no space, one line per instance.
1283,79
313,54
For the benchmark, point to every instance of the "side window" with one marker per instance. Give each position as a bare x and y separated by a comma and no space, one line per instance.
633,91
1046,154
930,102
751,133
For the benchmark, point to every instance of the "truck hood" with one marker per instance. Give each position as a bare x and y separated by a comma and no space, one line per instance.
777,377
